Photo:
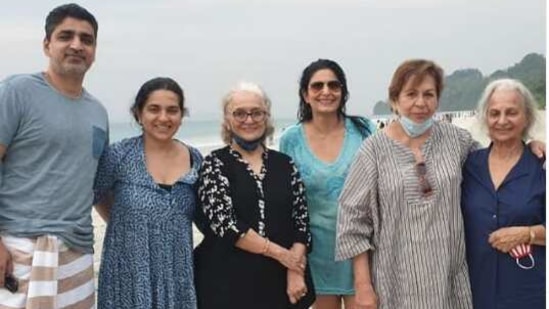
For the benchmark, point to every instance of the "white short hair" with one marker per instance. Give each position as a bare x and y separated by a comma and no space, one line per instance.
250,87
528,102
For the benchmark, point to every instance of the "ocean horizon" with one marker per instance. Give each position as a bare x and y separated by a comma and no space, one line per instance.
204,135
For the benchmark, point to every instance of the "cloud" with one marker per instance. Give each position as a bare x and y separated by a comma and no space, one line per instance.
208,45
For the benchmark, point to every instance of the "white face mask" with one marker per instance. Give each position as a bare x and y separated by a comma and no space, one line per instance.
415,129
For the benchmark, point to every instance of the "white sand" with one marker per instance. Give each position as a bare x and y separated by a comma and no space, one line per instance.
469,123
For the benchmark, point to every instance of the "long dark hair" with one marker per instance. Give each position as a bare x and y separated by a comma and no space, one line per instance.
305,113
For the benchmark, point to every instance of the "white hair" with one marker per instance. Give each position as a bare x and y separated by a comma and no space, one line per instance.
528,103
250,87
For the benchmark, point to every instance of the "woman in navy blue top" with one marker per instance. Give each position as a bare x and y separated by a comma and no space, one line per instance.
503,203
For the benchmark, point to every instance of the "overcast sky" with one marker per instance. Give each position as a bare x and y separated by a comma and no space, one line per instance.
209,45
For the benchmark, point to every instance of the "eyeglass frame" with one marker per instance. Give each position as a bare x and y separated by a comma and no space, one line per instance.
246,114
424,186
333,85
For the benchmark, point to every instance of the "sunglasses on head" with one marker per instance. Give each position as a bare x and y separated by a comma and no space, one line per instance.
333,85
424,185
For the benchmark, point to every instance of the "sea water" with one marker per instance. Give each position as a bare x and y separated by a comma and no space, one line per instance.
202,134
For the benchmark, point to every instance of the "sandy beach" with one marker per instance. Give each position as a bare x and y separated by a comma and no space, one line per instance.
469,123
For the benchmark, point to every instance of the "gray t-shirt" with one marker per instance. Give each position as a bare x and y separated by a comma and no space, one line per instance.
53,146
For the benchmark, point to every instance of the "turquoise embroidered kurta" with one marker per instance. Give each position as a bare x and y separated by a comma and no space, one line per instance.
323,182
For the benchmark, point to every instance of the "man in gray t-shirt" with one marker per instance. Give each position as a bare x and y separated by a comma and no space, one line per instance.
52,133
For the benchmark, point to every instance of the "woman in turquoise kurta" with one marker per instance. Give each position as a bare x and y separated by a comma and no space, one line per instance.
322,145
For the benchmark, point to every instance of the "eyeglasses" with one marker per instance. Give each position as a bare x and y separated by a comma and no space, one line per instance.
257,115
333,85
424,185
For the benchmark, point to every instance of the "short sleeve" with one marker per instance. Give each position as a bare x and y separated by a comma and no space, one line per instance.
10,113
288,140
283,144
107,170
216,203
196,160
357,205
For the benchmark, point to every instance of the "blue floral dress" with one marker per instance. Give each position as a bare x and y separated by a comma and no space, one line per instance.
147,251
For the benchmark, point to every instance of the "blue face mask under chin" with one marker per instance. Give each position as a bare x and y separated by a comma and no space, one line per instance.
415,129
247,145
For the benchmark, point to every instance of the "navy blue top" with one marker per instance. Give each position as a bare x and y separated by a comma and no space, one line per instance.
147,251
496,280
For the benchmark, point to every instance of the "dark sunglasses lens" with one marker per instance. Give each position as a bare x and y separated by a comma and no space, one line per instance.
421,171
317,86
420,168
426,188
334,85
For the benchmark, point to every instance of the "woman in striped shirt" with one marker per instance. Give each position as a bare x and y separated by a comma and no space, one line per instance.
399,215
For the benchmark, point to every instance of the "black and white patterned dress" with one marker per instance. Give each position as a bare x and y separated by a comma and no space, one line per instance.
233,199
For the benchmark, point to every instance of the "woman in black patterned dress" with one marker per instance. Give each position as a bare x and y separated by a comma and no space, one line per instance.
254,216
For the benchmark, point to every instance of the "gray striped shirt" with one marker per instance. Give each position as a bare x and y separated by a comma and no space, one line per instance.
417,256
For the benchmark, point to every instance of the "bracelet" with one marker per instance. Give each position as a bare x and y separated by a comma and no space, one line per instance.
532,235
266,246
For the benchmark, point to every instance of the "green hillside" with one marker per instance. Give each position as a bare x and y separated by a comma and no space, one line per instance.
464,87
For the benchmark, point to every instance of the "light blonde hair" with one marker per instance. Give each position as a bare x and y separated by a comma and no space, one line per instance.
226,133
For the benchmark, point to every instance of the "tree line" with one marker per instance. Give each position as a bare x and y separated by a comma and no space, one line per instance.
463,88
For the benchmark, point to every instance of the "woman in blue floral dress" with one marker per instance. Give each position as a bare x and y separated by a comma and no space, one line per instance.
145,190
